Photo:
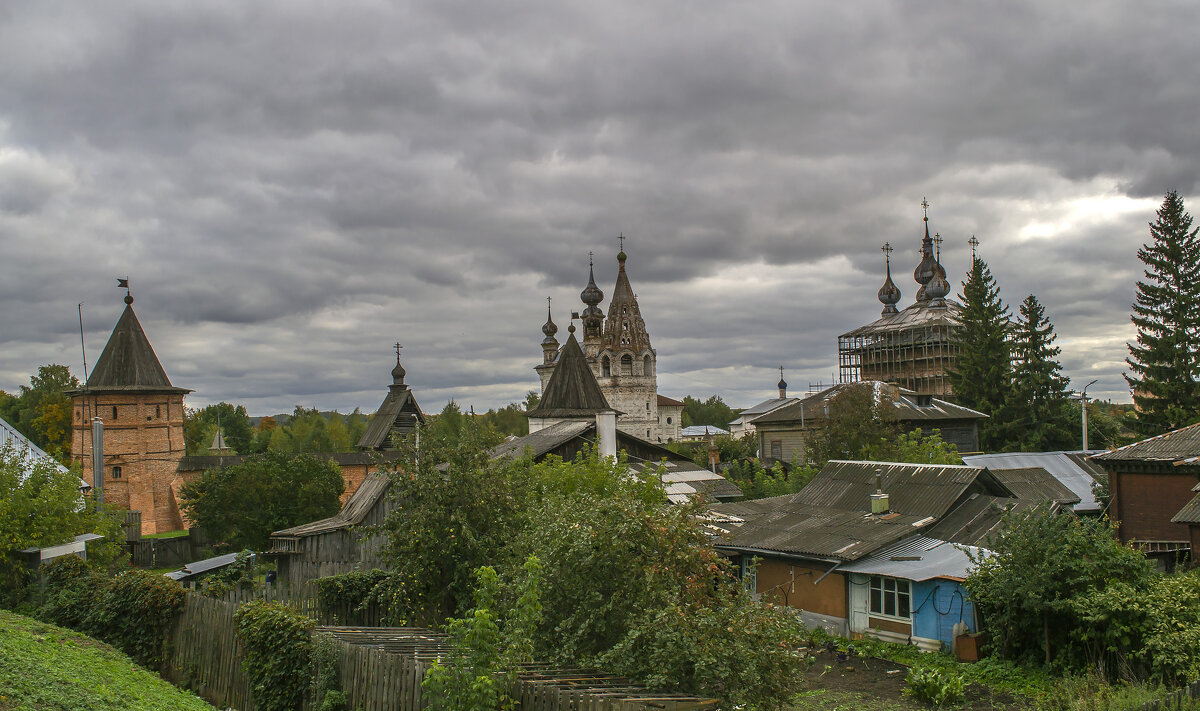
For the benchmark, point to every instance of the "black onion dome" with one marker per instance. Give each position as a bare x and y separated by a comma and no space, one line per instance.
938,287
398,374
782,384
549,328
591,295
889,294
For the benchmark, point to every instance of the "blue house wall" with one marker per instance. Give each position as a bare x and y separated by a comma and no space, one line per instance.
939,604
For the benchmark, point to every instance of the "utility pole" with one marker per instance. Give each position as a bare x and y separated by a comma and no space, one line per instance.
98,460
1083,406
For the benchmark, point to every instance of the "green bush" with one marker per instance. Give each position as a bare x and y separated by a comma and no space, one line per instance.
935,686
325,686
132,611
277,642
347,596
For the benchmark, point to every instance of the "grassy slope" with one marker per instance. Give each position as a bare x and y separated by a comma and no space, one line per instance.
47,667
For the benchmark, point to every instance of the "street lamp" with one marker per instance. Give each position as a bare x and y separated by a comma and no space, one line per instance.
1083,406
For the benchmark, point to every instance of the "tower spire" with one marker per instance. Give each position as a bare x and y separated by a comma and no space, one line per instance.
927,268
398,372
593,317
889,293
782,384
549,343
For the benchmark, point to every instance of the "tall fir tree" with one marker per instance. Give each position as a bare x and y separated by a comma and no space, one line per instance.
1038,416
1165,361
982,374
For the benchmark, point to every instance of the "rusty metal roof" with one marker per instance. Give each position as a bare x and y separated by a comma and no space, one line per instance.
906,405
821,531
1170,447
913,489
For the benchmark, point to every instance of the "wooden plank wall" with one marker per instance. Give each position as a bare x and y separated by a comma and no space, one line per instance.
204,656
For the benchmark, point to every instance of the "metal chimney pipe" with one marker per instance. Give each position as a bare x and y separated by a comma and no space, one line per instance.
98,459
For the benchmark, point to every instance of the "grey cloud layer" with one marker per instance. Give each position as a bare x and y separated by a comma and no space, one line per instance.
294,186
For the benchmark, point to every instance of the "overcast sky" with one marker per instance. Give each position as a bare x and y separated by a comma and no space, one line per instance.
293,186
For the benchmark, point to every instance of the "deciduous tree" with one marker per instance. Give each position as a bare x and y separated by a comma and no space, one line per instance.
239,506
1165,362
42,411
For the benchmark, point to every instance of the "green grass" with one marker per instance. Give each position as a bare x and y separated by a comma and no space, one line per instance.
47,667
168,534
825,700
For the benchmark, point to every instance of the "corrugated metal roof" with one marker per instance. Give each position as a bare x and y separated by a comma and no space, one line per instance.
29,451
934,558
976,520
685,480
1190,513
821,531
1171,446
767,405
1067,467
702,431
1035,485
364,497
917,489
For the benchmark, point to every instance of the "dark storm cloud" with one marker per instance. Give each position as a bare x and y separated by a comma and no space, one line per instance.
293,187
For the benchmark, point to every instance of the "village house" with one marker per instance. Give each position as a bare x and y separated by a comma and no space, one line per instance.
873,547
1152,484
784,433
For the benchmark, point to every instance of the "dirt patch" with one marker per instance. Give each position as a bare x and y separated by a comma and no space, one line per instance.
872,683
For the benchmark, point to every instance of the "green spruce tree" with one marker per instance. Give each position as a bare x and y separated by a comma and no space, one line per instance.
1038,416
982,374
1165,362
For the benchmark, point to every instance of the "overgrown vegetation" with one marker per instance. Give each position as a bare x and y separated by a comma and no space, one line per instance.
42,410
239,506
132,610
623,569
935,686
1062,591
277,643
40,505
44,666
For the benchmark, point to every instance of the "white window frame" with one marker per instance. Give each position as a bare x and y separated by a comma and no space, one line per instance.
892,590
750,573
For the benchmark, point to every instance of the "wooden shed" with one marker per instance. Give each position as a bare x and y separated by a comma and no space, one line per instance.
334,545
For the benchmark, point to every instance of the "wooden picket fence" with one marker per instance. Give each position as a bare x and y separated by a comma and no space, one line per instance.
1187,697
381,668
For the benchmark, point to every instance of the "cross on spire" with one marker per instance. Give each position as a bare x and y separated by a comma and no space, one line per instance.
937,240
887,251
925,206
974,243
622,240
397,347
590,255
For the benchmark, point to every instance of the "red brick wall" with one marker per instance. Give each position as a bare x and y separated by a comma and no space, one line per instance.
145,440
1143,504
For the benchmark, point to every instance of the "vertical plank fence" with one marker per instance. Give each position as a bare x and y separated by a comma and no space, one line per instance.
1183,698
203,654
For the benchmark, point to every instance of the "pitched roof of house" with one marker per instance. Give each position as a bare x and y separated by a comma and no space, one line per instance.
1181,446
764,407
702,431
820,531
664,401
914,489
1071,469
976,520
544,440
905,403
572,390
919,314
128,362
1035,485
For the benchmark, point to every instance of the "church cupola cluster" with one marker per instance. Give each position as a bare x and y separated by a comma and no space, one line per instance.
930,273
618,351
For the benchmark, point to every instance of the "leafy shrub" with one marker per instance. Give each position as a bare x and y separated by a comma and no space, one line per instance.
349,595
238,575
278,643
935,686
325,686
132,611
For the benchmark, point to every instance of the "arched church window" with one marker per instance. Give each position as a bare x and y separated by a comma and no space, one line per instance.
626,364
647,366
605,367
